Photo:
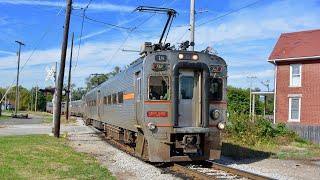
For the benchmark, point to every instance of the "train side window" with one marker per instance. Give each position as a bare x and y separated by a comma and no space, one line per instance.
105,100
158,88
120,97
215,89
109,99
138,88
114,98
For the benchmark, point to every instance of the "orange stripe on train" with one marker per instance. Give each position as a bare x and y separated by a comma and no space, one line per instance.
128,96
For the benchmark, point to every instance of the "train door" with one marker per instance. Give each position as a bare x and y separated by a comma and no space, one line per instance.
189,99
138,95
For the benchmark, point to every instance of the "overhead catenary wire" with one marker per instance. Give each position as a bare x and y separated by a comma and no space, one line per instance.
230,12
221,16
127,37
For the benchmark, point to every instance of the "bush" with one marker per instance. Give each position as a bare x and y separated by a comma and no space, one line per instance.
244,131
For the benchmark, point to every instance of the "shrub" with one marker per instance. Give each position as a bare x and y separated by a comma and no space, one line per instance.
244,131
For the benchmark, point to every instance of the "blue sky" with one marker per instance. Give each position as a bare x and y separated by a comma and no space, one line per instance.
244,39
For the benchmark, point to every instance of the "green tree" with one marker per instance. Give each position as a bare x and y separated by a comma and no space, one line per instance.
94,81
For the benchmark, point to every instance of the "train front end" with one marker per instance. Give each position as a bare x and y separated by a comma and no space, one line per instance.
184,106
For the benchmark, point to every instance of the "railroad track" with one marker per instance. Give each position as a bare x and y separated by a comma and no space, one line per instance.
211,170
193,170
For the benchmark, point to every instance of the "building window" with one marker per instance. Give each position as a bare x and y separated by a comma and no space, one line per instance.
294,109
295,75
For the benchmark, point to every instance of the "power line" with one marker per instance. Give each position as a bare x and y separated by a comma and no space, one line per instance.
221,16
230,12
108,24
127,37
33,51
83,16
80,39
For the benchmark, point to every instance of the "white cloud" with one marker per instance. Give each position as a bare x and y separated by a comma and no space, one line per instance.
256,23
7,52
93,6
94,57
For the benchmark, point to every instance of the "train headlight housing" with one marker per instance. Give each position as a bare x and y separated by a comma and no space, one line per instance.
152,126
215,114
221,125
181,56
195,57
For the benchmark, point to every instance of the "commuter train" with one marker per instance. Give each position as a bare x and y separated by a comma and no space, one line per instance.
49,107
76,108
169,105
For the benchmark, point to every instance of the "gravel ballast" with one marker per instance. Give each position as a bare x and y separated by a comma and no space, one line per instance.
119,163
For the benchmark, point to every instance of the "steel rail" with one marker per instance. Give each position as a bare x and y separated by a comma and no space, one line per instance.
195,174
238,172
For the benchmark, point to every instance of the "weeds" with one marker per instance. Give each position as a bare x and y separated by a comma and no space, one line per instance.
260,131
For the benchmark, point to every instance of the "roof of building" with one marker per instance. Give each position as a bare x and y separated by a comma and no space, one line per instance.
297,45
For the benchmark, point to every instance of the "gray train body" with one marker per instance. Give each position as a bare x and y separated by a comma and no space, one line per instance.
168,105
76,108
49,107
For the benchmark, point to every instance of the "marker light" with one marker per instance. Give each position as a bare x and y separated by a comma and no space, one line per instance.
195,57
181,56
221,125
151,126
215,114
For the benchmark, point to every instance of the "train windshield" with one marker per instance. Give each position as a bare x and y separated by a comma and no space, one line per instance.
158,88
215,89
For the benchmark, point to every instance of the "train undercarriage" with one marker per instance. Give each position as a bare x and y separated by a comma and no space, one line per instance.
183,145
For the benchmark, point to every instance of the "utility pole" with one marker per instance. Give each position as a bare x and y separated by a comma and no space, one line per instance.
16,108
61,71
69,80
36,100
192,24
54,98
0,105
250,101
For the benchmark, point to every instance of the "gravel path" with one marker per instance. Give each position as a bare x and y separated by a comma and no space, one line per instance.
119,163
276,168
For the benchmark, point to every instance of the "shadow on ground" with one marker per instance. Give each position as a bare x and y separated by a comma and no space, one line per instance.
243,155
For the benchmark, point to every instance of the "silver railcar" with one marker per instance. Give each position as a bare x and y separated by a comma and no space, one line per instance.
168,105
76,108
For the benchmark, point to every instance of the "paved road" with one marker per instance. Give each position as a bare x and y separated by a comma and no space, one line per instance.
16,121
26,127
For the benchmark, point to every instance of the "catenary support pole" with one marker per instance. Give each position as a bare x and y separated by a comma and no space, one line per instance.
192,24
61,71
69,81
16,107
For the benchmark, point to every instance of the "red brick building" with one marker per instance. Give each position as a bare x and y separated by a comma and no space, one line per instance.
296,57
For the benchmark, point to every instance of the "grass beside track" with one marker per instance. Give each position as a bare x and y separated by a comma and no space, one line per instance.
44,157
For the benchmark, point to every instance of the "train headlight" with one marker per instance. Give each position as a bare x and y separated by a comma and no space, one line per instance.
151,126
221,125
195,57
181,56
215,114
